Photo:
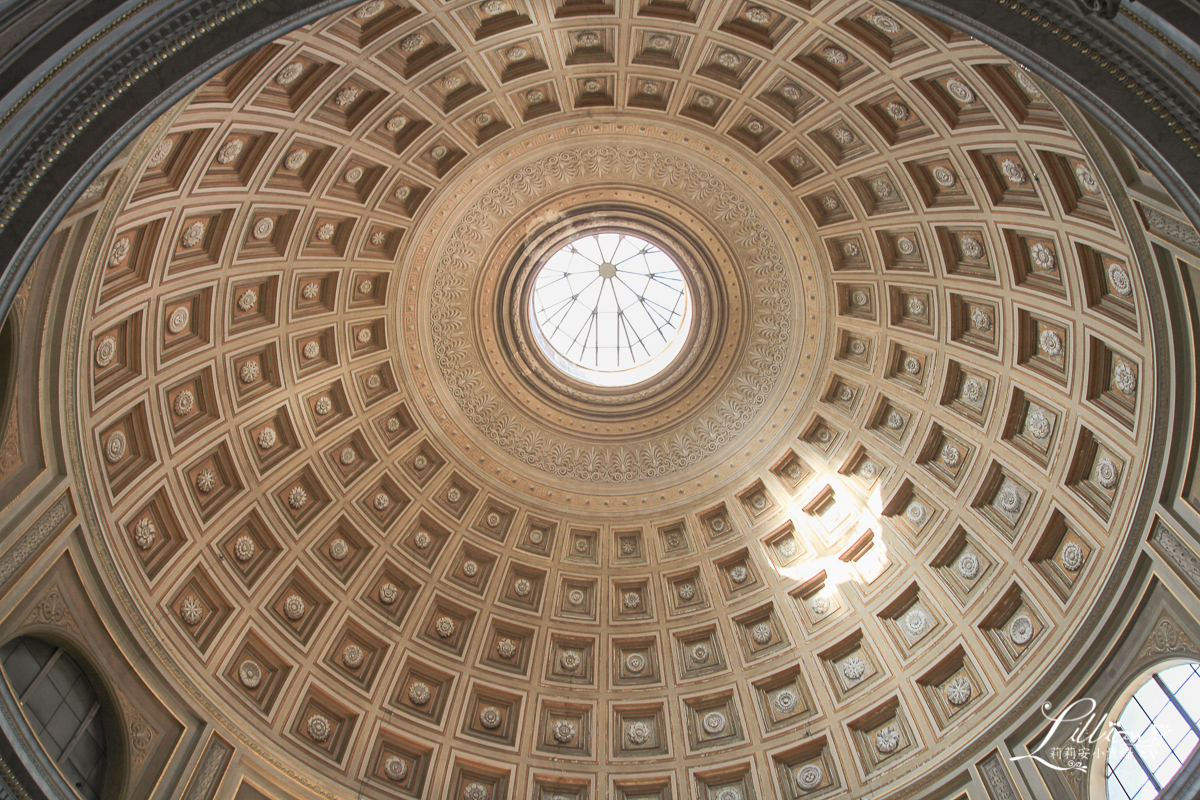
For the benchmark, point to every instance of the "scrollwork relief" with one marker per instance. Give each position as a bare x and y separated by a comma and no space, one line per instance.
52,610
141,733
1166,639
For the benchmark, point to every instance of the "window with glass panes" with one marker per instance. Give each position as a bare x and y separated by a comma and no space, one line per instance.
1156,734
62,709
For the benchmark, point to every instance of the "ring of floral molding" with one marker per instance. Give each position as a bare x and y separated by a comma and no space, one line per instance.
451,249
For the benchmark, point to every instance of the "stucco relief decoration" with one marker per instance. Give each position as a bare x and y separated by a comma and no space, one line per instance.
160,153
114,448
395,768
1119,278
1044,257
1009,500
490,717
1072,557
853,668
758,15
267,438
191,610
819,605
887,740
709,430
1014,172
638,733
971,247
120,251
1088,181
192,235
141,733
52,610
785,701
945,177
288,75
419,693
1166,639
229,151
106,350
388,593
809,777
1020,630
250,674
729,60
318,728
352,656
916,621
1125,379
297,498
1038,424
294,607
960,91
178,319
835,56
1179,554
210,771
144,533
185,401
1106,473
958,691
295,160
564,731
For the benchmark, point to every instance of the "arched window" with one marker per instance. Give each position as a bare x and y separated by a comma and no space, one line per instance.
1156,733
62,708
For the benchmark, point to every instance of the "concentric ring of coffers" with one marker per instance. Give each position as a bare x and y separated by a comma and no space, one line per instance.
281,478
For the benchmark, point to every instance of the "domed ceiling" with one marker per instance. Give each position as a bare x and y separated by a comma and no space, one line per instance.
361,517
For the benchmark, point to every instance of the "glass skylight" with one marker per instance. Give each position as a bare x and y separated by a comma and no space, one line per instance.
610,309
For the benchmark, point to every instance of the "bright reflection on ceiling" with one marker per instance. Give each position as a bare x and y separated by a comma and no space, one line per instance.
863,515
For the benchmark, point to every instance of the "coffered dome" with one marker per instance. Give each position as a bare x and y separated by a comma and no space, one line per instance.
399,546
